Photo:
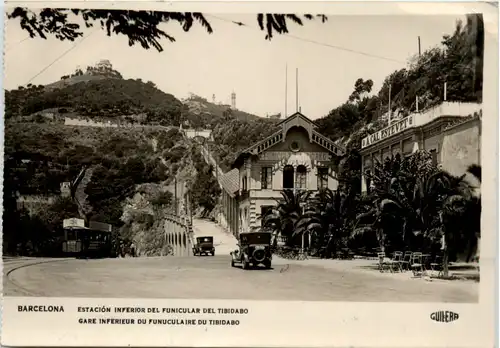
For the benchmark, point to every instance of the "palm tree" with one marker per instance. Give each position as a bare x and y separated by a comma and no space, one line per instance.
283,218
327,217
413,194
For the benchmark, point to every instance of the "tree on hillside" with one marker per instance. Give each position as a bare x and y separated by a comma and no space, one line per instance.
458,62
98,98
139,26
361,88
205,190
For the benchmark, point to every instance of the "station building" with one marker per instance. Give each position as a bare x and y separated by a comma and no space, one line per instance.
296,157
451,132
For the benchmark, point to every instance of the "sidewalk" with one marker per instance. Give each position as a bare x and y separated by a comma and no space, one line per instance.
364,266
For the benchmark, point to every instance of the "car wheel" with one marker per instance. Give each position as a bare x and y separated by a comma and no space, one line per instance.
267,264
232,263
245,264
213,253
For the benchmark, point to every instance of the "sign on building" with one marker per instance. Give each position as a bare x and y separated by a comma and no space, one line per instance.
387,132
73,223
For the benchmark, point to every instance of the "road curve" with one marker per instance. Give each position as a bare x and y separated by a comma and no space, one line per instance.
208,277
12,264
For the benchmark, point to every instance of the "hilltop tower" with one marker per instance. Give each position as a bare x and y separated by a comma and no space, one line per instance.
233,100
213,98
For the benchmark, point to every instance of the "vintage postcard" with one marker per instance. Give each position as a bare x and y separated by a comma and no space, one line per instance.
249,174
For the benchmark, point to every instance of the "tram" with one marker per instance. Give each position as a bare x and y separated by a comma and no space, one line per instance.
92,241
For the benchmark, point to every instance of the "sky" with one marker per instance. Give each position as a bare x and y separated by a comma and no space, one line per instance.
239,59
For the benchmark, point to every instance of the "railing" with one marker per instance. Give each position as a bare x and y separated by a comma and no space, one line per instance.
418,119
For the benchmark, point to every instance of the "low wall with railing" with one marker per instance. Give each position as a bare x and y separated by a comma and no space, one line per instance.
178,234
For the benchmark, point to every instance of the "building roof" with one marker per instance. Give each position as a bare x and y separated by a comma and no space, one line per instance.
230,181
295,120
295,115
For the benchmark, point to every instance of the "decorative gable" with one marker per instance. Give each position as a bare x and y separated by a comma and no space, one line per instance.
296,120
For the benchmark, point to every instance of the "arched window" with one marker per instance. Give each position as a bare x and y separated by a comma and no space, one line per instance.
288,177
301,177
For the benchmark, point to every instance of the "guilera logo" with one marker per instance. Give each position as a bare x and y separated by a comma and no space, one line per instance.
444,316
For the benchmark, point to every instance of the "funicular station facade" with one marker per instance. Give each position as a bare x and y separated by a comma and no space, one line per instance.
451,132
296,157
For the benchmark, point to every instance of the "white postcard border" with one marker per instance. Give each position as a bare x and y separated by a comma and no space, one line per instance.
296,324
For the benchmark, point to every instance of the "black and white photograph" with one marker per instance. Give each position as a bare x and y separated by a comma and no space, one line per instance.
212,155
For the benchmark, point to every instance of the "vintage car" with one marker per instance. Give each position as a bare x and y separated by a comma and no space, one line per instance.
254,248
204,245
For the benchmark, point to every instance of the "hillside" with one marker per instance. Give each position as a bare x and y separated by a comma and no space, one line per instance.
101,70
202,112
233,136
99,98
39,157
132,167
102,94
456,64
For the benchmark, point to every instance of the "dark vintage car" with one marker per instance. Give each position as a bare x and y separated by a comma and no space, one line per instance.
254,249
204,246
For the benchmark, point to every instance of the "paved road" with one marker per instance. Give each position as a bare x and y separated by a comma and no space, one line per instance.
213,278
224,242
210,277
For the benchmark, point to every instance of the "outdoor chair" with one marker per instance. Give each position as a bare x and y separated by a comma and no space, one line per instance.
396,262
426,261
405,264
437,265
381,262
417,265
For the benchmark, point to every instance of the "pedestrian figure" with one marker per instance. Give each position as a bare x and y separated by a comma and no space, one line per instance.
132,250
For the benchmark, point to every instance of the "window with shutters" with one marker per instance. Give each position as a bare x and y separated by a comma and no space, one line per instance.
301,177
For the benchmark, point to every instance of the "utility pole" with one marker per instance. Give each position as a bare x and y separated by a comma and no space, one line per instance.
419,48
286,90
390,110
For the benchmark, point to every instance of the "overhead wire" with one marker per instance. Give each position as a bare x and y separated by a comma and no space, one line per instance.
62,55
324,44
14,45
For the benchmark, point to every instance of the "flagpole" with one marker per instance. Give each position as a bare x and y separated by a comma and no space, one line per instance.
286,90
